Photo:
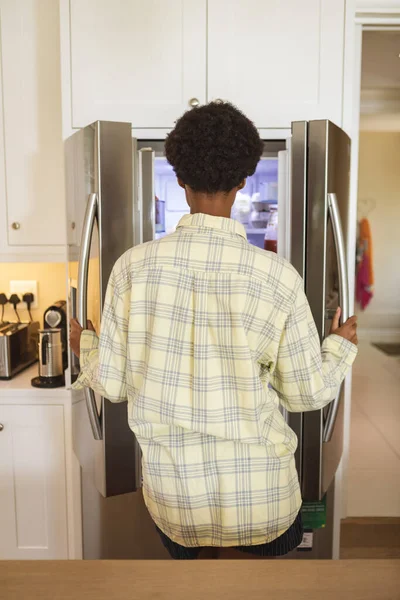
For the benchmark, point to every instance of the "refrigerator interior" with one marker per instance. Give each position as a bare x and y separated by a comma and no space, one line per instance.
262,187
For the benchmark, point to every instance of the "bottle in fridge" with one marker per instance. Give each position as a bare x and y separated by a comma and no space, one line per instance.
271,232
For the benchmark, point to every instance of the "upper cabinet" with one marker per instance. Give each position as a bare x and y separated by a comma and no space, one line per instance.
138,61
145,62
148,62
279,61
32,198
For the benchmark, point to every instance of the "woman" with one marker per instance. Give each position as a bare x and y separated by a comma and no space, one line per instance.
195,327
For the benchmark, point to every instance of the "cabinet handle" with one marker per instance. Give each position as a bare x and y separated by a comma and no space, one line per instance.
16,225
193,102
1,426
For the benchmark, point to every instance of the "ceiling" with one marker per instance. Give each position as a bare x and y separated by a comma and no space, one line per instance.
380,60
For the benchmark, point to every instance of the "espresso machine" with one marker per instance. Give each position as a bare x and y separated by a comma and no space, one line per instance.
51,370
55,317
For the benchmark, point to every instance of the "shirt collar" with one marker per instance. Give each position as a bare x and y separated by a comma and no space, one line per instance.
221,223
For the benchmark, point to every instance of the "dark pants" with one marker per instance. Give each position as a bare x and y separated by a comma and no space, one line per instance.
284,544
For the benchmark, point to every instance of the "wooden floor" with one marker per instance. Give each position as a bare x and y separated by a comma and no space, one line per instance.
370,538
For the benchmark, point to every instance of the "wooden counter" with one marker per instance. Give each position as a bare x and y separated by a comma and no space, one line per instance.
201,580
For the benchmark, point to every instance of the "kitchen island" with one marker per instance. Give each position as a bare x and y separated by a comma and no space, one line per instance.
201,580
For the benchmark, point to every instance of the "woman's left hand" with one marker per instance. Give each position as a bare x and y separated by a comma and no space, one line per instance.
75,337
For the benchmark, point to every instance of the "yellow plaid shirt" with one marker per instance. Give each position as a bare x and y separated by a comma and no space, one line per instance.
194,329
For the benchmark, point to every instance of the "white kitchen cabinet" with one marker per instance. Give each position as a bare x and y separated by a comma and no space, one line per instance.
33,505
135,61
279,61
32,201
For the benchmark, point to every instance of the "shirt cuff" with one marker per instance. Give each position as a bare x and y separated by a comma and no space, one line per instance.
341,348
89,342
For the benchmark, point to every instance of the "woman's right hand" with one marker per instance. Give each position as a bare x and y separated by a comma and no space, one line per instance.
348,330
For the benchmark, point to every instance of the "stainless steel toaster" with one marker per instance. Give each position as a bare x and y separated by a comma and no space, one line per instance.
18,347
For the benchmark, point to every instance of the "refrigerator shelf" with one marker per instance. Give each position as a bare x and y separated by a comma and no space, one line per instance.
251,231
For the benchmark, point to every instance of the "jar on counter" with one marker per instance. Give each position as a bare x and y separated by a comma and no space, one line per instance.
271,233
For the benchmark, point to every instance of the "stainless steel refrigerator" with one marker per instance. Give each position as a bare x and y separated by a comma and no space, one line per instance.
121,192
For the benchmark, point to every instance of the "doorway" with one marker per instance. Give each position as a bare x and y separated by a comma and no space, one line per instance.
373,476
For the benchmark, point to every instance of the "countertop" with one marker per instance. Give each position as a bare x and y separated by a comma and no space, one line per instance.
201,580
20,387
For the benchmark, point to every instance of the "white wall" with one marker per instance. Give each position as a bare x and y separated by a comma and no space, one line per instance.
379,179
389,122
52,285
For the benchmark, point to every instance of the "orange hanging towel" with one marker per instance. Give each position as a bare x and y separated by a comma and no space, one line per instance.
366,240
365,274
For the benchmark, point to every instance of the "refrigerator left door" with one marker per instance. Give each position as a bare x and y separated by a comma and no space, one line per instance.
100,171
99,160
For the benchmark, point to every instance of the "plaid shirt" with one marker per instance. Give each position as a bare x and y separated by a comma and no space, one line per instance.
194,329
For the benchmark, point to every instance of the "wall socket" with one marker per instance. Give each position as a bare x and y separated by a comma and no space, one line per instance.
24,287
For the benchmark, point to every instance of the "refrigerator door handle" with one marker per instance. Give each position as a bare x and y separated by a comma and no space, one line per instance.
74,361
83,271
334,214
147,199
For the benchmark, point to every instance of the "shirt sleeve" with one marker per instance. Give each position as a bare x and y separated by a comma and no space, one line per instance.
307,377
103,359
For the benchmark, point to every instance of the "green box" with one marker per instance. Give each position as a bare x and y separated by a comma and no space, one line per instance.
314,514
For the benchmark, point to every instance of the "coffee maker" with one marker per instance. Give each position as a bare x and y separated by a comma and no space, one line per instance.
55,317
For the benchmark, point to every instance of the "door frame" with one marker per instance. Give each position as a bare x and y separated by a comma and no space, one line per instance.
364,19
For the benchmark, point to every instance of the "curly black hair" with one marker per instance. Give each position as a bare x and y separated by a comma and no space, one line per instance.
213,147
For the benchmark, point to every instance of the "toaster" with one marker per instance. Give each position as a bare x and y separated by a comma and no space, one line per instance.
18,347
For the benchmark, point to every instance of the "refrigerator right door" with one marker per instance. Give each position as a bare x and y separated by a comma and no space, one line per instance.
326,285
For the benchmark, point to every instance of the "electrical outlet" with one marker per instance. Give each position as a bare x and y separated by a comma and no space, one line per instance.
24,287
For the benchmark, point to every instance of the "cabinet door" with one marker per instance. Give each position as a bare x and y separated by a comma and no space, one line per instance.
137,61
32,192
33,507
278,61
